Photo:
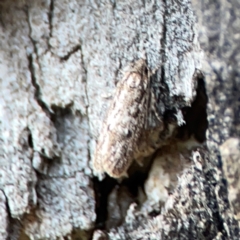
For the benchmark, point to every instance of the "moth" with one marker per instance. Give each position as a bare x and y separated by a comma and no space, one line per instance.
125,133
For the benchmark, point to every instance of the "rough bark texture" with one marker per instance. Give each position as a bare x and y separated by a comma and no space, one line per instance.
59,65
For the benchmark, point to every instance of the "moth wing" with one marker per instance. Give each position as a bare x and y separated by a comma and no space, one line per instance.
122,128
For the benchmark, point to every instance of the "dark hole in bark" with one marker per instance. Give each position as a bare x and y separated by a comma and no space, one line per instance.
102,190
131,185
196,115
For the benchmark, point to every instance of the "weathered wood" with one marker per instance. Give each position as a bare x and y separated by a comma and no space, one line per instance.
60,62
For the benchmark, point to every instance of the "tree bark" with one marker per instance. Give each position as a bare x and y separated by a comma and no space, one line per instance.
61,63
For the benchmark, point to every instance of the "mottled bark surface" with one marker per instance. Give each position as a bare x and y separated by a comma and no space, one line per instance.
219,38
60,62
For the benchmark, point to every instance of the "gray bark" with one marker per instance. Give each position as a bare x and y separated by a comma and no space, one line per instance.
60,62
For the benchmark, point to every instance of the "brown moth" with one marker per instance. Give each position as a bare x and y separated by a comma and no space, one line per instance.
123,132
